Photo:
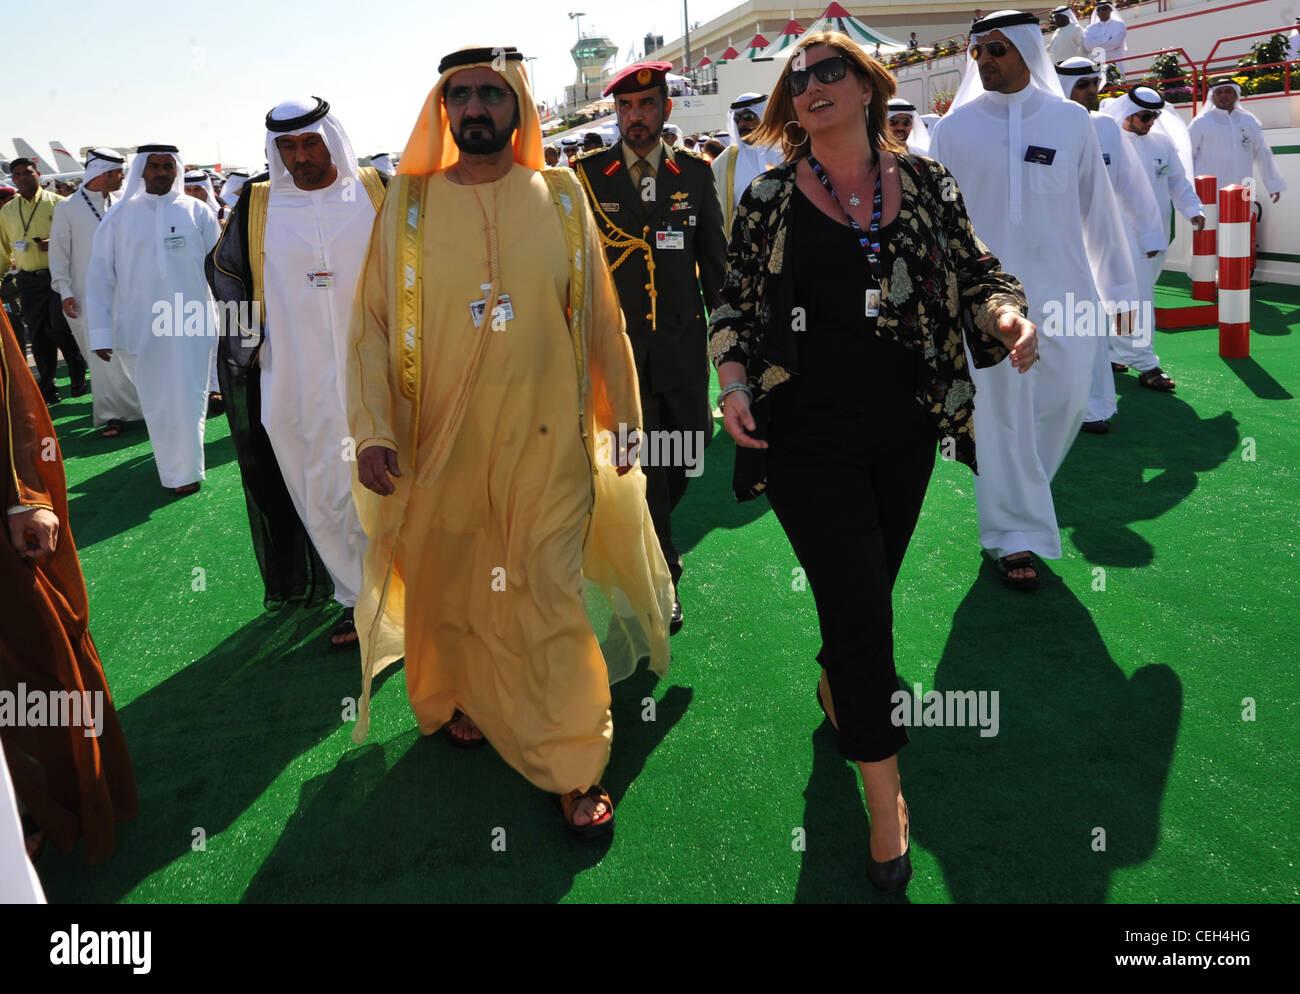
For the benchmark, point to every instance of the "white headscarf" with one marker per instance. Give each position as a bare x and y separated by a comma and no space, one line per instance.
100,161
197,177
1114,14
1069,79
919,140
135,174
383,163
1169,124
746,101
1068,12
327,126
230,190
1028,40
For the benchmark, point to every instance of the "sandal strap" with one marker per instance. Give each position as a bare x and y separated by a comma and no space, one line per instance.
593,793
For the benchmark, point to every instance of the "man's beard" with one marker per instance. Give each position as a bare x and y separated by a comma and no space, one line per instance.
158,187
308,172
493,143
644,136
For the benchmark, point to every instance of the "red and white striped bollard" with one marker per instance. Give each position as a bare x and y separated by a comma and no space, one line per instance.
1205,252
1234,271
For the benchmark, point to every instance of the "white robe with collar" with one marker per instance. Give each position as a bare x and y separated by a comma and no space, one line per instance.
1066,43
1108,35
305,358
1230,146
1025,423
1162,171
751,162
71,237
1143,225
149,302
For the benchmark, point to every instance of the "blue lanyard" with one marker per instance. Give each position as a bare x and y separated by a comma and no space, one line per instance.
869,239
90,205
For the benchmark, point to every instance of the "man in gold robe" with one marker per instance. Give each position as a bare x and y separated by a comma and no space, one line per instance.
492,395
73,777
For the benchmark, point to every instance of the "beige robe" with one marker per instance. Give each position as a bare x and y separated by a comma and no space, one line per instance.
508,514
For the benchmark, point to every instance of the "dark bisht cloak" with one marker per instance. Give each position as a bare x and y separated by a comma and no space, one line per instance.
292,570
74,784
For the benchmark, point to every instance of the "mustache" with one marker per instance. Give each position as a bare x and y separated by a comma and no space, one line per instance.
483,122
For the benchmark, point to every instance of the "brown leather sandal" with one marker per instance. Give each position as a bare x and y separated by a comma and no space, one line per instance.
591,830
458,742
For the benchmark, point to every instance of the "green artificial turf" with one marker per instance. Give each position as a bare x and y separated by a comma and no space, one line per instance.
1121,688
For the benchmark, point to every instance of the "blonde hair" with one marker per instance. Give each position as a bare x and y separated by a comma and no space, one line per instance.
780,107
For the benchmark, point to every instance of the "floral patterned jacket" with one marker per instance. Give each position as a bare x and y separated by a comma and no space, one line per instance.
943,282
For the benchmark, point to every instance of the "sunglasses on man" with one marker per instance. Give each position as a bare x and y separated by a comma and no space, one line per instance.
1147,116
490,94
830,70
747,116
997,49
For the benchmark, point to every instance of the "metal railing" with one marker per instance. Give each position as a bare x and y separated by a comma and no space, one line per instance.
1289,70
1162,85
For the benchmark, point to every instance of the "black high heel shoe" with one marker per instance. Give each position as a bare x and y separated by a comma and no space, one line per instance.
893,874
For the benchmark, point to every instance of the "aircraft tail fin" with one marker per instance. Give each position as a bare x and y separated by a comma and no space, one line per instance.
64,159
25,151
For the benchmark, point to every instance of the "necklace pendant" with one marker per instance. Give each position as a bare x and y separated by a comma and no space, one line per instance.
853,200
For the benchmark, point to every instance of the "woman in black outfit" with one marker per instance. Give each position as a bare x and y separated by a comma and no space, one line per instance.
852,270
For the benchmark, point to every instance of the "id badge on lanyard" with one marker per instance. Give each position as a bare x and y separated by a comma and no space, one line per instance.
869,239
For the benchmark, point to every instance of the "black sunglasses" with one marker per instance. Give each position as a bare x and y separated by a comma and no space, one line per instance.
830,70
1147,116
997,49
748,116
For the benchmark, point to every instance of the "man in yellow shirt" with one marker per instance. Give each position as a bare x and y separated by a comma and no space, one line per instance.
25,238
490,391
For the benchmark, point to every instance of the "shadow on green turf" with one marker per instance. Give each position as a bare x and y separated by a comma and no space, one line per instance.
1014,817
126,494
709,502
1268,319
207,742
1100,491
1257,379
433,827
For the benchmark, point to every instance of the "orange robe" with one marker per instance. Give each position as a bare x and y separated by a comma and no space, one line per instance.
74,785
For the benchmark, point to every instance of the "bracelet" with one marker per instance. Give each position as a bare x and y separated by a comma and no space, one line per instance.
734,388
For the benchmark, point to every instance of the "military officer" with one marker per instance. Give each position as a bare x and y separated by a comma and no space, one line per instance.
661,224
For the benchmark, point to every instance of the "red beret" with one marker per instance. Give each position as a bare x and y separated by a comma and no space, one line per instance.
641,76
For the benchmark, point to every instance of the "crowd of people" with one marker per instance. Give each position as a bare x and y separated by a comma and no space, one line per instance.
463,396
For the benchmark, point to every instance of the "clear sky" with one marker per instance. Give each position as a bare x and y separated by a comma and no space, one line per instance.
202,76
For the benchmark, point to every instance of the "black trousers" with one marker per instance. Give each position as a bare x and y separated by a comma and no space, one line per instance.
666,485
848,491
48,330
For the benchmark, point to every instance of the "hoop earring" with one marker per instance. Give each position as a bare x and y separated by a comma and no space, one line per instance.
786,137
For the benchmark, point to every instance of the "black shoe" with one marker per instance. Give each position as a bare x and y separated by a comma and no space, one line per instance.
216,405
893,874
675,625
51,397
80,389
1095,427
